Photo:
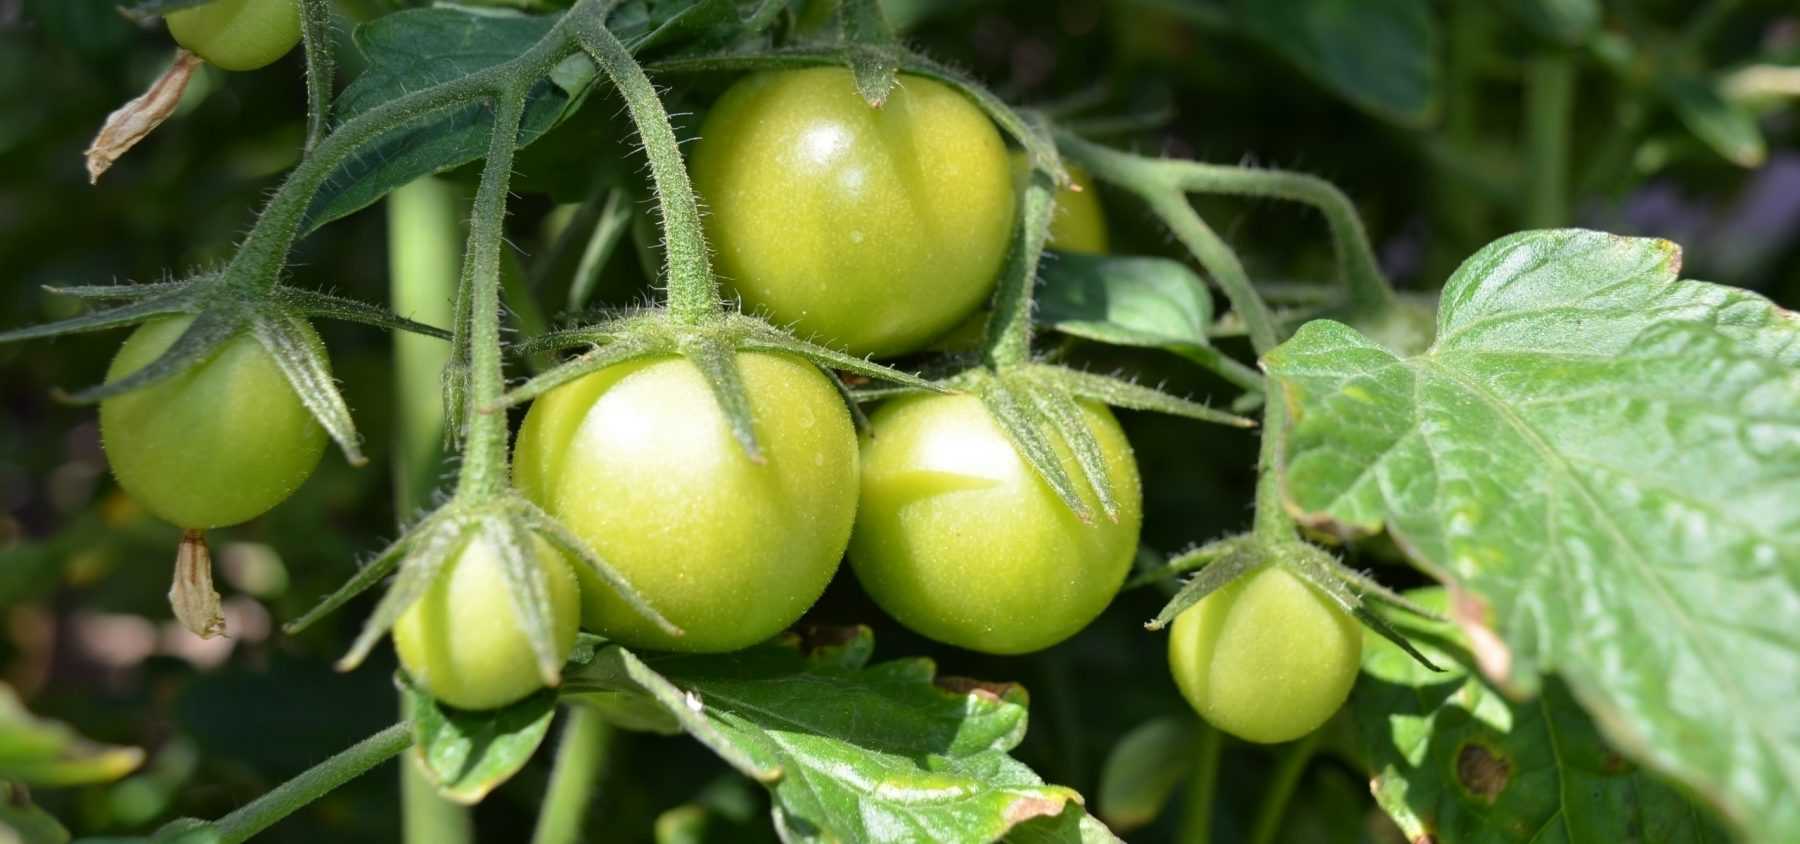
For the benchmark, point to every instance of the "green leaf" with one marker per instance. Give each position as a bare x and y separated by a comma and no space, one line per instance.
1144,768
468,754
40,752
1151,302
1378,54
1607,460
1564,21
851,752
1453,758
416,49
1729,128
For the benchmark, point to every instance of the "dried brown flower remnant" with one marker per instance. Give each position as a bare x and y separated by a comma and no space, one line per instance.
135,120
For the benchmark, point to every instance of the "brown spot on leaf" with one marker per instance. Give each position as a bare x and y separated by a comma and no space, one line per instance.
1614,763
1482,772
980,688
1026,808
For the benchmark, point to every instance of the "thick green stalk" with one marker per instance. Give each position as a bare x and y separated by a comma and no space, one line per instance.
425,220
315,782
1202,788
1549,102
484,454
1280,792
693,290
581,759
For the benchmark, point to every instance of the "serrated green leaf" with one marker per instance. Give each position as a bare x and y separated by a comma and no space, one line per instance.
1125,301
468,754
880,753
1454,759
1608,460
1380,55
415,49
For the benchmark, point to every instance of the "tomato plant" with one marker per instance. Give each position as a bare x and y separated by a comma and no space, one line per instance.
856,421
958,538
638,461
238,34
877,229
214,446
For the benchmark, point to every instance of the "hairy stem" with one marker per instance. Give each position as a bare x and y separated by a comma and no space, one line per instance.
1009,330
315,782
581,759
484,455
1152,182
693,291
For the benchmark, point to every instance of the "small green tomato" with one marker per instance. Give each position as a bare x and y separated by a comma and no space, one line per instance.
461,640
959,539
1267,658
219,444
638,460
238,34
875,230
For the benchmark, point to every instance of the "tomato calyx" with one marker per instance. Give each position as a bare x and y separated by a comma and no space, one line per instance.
711,343
223,310
1224,561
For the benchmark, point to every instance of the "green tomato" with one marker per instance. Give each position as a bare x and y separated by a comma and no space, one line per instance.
638,460
216,445
875,230
1267,658
238,34
961,540
1077,224
462,641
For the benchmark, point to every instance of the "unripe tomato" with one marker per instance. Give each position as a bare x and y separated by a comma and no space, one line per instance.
637,459
875,230
959,539
462,641
216,445
238,34
1267,658
1077,223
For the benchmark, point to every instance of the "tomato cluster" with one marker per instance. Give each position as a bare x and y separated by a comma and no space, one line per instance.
875,230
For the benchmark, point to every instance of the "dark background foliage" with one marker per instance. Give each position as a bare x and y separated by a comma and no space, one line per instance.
86,635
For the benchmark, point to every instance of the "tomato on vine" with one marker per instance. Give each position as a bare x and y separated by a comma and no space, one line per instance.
462,641
216,445
238,34
639,461
1267,657
875,230
961,540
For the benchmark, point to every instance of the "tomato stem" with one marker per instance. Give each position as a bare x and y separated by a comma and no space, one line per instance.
1280,792
1009,329
315,782
581,759
1549,102
1202,787
693,291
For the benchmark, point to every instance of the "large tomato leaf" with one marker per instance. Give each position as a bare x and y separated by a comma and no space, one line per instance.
1606,461
856,752
1453,760
1380,55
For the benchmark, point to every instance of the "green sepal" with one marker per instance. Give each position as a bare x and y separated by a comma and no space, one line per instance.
578,550
439,542
1236,561
1121,393
871,50
308,371
530,593
316,43
312,303
717,362
369,574
1017,415
209,330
